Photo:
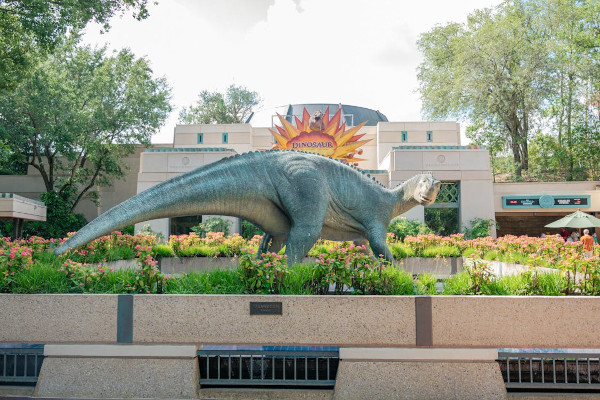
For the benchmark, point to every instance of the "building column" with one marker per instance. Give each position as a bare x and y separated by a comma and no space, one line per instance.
17,228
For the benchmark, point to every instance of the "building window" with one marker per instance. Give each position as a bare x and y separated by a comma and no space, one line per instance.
200,138
404,136
225,138
429,136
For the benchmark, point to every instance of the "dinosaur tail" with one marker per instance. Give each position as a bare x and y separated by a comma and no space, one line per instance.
171,198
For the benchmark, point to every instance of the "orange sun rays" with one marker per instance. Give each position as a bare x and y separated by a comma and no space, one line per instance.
332,140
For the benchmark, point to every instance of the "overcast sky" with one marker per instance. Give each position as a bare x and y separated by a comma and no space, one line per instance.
358,52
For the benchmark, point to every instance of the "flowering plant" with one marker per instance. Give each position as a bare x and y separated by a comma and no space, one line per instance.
265,275
13,259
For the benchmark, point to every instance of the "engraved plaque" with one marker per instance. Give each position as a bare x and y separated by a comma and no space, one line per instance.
266,308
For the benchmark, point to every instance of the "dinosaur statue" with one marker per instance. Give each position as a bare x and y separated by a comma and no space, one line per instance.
294,197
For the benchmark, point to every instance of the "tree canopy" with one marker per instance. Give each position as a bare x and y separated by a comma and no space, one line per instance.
30,29
523,69
233,107
79,113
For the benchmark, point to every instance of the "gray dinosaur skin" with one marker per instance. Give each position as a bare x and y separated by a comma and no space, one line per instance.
294,197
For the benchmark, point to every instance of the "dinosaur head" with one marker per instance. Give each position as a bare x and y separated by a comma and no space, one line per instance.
426,189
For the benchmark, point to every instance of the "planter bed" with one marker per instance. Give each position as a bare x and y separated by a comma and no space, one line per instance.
441,267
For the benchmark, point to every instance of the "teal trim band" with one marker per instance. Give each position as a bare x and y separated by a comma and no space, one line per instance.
188,149
125,318
434,147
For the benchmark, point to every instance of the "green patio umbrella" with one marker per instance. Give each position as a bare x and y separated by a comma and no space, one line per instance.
577,219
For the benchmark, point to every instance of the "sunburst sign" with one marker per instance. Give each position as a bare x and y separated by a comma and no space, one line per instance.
320,134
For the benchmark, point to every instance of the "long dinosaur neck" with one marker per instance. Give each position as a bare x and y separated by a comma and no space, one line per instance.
404,196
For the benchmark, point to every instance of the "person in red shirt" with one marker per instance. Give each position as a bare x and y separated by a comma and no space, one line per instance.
588,244
564,234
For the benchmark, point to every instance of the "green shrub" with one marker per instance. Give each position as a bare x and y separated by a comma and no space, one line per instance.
214,282
233,245
297,280
511,285
40,278
479,227
480,274
548,284
323,246
394,281
402,227
400,250
128,230
13,260
162,251
469,251
491,255
265,275
60,220
147,230
343,267
426,284
441,251
458,284
146,278
199,251
249,230
215,224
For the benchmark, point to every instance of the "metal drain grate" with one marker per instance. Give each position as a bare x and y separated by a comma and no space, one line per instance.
20,363
569,370
290,367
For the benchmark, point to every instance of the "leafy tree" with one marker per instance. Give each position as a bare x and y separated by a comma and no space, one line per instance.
574,29
215,224
31,29
442,221
402,227
249,230
488,71
79,114
8,162
524,69
215,108
479,227
60,220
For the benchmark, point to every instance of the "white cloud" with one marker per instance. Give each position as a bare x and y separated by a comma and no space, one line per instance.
359,52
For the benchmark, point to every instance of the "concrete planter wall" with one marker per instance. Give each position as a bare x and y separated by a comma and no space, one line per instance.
390,336
455,321
443,266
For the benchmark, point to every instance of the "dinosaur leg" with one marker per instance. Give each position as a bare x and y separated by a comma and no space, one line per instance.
277,243
264,244
362,242
378,244
270,243
305,200
301,239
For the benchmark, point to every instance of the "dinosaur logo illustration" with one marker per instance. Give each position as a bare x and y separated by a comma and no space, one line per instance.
322,135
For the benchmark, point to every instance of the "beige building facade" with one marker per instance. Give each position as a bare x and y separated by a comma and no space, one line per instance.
395,152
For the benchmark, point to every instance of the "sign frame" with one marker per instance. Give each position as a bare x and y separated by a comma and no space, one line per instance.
546,201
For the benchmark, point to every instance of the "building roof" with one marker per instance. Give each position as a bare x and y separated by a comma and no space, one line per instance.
352,115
